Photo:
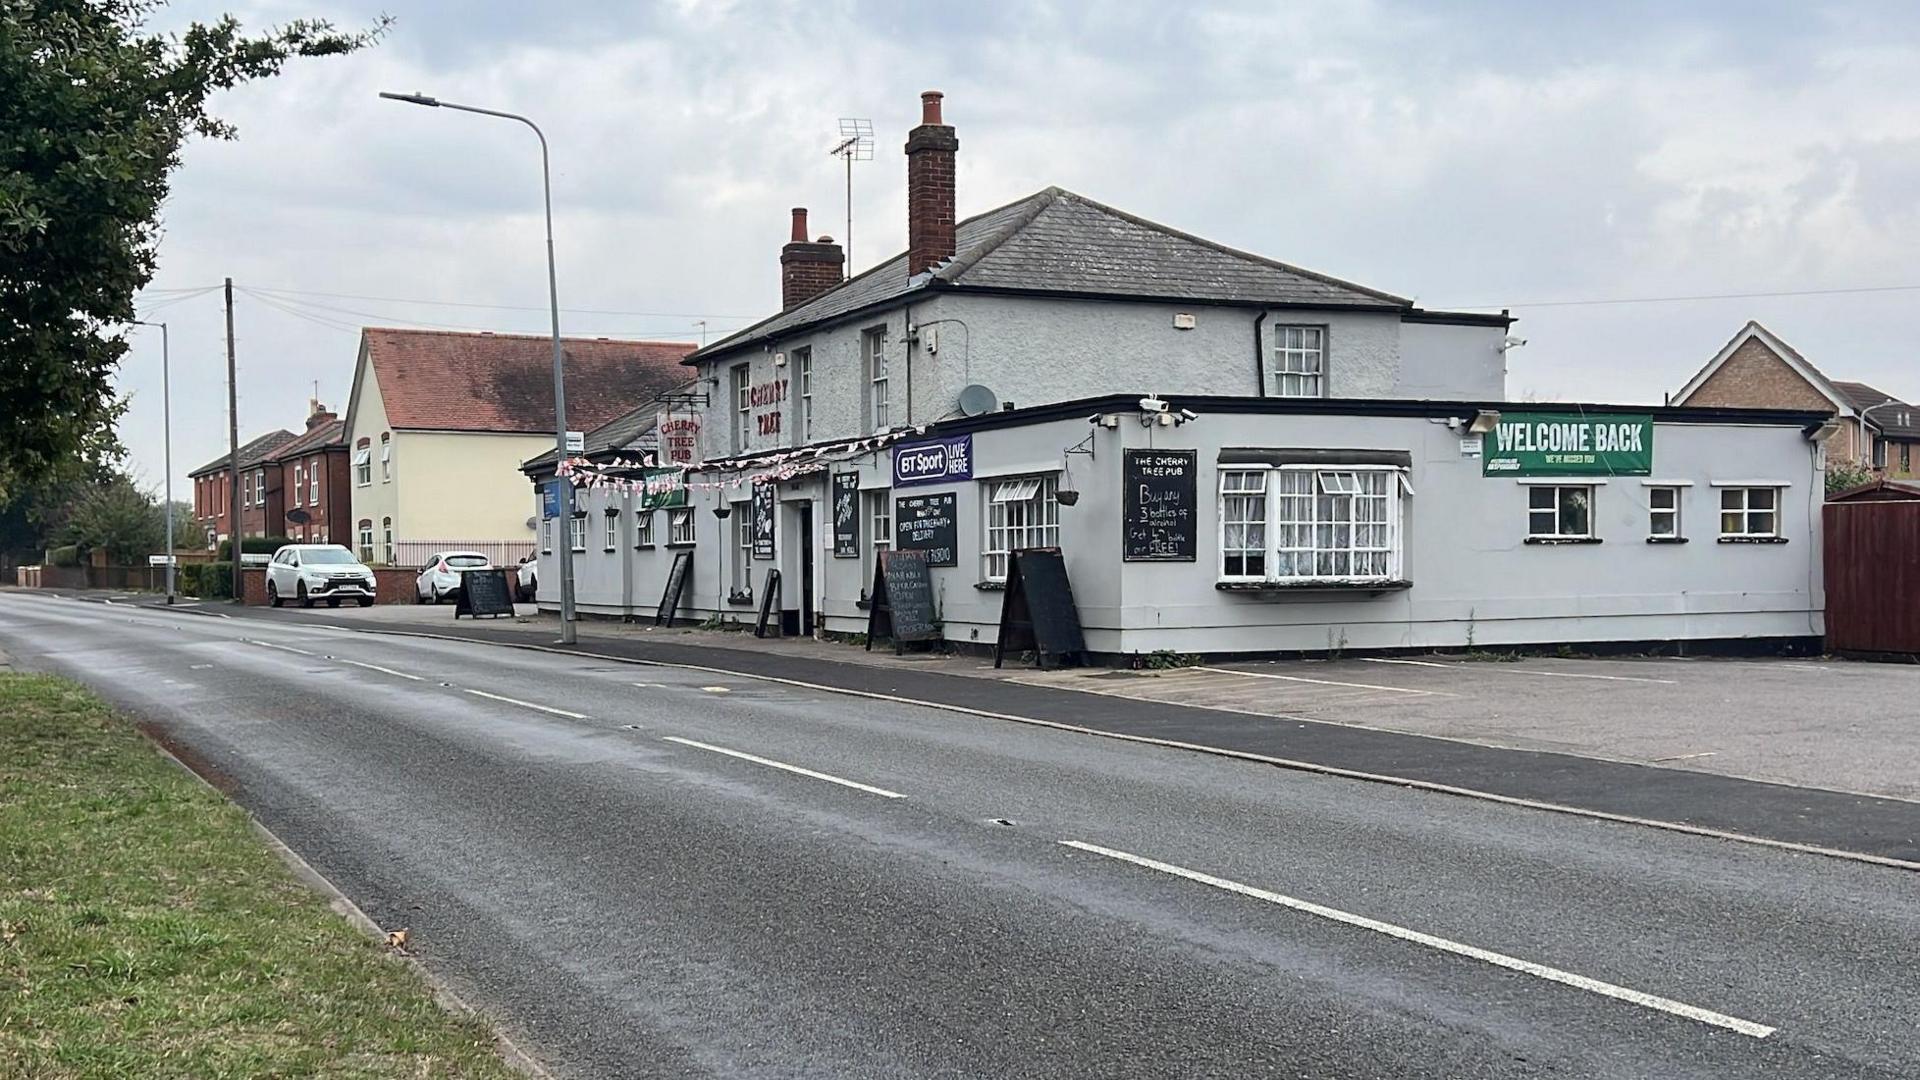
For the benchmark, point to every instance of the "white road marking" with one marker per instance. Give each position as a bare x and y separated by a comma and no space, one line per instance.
1501,669
282,648
378,668
1685,757
526,704
1472,952
1325,682
770,763
716,690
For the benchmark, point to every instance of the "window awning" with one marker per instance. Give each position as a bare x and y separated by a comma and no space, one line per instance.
362,456
1013,491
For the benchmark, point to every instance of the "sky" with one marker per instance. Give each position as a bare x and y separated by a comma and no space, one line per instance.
1471,155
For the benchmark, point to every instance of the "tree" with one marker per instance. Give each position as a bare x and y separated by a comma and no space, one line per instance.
93,112
119,517
1843,474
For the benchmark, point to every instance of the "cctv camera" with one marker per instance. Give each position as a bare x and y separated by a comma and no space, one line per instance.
1152,404
1511,342
1189,414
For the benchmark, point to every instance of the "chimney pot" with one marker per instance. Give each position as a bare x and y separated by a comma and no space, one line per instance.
930,188
799,225
930,106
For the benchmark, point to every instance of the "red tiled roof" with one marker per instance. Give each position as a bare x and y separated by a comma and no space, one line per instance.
333,432
447,381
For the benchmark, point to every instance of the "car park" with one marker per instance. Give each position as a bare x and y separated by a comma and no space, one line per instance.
306,573
440,578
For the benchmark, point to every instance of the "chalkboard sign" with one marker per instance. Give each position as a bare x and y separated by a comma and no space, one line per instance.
483,592
762,510
677,576
1160,512
769,606
900,607
846,515
927,523
1037,614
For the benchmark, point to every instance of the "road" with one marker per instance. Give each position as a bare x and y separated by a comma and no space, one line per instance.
655,871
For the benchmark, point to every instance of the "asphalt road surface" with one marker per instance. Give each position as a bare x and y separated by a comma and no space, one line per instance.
655,871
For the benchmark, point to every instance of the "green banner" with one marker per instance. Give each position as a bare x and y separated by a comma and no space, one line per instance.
1568,444
665,489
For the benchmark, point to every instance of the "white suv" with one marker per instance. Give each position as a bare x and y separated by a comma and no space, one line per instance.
309,572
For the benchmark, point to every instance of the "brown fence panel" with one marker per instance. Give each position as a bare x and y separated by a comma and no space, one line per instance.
1873,576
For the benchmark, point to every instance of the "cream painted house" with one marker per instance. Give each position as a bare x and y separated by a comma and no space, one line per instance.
440,422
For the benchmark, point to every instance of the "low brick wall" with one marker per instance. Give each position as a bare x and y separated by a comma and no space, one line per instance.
390,586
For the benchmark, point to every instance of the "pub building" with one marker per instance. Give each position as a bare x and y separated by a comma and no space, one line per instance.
1232,454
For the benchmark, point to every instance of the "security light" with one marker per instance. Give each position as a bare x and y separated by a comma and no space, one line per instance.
1483,422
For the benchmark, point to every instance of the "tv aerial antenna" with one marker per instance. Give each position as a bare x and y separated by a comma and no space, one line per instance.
856,144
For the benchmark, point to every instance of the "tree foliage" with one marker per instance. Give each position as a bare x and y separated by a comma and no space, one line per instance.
93,112
118,517
1843,474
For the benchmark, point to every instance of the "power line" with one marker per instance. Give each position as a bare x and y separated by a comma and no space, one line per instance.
497,307
313,311
1686,299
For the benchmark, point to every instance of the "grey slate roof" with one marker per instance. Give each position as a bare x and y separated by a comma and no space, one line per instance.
632,429
251,453
1899,421
1059,242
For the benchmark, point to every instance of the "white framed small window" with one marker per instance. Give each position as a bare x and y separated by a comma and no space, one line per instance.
1243,524
386,541
386,457
680,529
313,482
366,541
743,549
363,467
873,347
1749,513
612,538
803,431
643,529
260,487
298,486
1663,513
546,536
1298,362
1021,513
577,531
879,514
1560,512
741,375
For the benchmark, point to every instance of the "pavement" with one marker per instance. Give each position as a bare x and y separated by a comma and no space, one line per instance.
666,871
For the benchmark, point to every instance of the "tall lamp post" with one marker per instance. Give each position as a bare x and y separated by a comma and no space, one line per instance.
166,428
559,377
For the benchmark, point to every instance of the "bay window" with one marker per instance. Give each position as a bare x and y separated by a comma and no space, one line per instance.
1304,523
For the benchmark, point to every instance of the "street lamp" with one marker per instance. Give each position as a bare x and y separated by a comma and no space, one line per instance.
559,376
166,428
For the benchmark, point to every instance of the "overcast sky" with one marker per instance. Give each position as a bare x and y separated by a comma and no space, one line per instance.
1472,155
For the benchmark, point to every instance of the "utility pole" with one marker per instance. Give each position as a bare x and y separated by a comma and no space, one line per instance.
233,455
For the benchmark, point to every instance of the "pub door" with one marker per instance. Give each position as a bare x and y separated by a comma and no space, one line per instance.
806,569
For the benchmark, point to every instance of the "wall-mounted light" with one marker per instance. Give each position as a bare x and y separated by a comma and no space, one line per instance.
1483,421
779,359
1824,432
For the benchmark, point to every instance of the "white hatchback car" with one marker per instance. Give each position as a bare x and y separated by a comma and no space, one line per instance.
440,578
309,572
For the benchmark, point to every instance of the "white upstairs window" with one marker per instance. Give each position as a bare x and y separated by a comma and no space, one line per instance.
1298,363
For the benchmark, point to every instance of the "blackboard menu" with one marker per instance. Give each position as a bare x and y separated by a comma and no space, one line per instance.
927,523
901,602
1160,511
676,584
483,592
846,515
1037,613
762,511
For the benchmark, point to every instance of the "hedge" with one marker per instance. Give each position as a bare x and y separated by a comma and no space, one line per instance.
208,581
253,545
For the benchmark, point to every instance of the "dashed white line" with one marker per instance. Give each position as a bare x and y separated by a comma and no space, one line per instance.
378,668
525,704
772,764
282,648
716,690
1473,952
1498,669
1324,682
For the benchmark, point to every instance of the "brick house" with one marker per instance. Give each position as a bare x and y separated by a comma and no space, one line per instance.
262,503
1756,369
313,473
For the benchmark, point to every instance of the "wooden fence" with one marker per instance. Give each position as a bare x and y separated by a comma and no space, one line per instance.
1873,576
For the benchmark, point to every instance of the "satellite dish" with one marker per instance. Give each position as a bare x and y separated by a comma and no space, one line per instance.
977,400
299,517
533,523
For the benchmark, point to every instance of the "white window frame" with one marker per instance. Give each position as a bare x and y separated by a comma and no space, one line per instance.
577,531
386,458
878,508
259,487
386,540
1672,512
643,529
1737,500
313,482
363,467
610,541
299,488
1297,524
1021,512
546,536
366,542
1556,507
873,342
1298,362
803,431
681,527
742,549
741,378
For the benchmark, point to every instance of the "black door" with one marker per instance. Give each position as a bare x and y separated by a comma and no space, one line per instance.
806,568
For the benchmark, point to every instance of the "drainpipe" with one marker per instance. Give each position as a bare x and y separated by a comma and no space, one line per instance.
1260,355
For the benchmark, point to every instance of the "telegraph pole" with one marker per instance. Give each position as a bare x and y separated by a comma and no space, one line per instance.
233,455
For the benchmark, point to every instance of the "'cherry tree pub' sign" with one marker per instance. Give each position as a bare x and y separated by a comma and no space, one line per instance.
933,462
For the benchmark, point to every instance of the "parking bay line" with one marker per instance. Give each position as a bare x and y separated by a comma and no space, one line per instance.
1472,952
770,763
524,704
1325,682
1498,670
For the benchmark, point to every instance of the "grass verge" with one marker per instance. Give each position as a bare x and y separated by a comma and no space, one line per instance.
146,931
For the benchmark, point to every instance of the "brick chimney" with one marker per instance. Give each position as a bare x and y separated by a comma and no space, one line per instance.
930,152
808,269
318,414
